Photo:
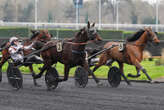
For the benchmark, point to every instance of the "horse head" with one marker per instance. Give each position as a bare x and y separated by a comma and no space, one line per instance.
88,33
41,35
92,32
152,36
82,35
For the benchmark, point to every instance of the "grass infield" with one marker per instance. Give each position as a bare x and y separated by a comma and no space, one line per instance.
153,70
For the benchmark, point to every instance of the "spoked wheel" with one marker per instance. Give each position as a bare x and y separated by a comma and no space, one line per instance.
81,77
51,78
114,76
15,78
0,74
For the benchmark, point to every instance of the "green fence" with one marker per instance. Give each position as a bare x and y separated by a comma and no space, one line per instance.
105,34
7,32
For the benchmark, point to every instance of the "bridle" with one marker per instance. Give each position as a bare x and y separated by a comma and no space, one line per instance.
91,36
41,35
80,43
150,38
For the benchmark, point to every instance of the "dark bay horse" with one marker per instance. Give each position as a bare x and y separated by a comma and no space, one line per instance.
72,54
39,36
132,54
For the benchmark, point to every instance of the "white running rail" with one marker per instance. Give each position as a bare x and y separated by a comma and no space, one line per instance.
128,27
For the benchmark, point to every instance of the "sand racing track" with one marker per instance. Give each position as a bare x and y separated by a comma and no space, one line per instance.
139,96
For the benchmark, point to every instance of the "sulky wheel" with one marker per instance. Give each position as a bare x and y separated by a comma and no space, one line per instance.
114,76
0,74
51,78
15,78
81,77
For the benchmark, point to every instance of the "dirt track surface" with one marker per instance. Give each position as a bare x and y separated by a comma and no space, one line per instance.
139,96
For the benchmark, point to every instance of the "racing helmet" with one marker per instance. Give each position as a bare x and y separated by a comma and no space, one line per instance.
13,39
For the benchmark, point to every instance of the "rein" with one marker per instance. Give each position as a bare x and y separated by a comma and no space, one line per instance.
137,45
78,52
142,45
80,43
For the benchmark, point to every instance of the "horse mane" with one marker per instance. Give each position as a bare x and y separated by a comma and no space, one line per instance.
136,36
77,34
34,35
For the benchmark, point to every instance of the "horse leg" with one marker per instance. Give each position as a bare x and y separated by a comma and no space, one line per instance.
41,72
86,67
137,75
66,73
3,60
137,64
102,61
33,75
145,72
122,73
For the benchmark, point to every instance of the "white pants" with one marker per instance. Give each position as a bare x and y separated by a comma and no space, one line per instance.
17,57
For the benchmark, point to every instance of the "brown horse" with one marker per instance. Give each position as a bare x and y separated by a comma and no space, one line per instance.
40,36
72,54
132,53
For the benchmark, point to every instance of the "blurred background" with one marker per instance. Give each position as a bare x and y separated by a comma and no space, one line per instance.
107,14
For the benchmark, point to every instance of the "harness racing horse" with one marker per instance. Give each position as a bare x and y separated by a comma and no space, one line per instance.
72,54
132,53
37,36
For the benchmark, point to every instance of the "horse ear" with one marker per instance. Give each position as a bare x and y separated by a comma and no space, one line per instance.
156,33
88,25
82,30
33,31
146,28
150,28
51,35
93,25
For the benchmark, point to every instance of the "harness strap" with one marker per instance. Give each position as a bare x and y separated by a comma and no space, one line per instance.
101,51
136,44
80,43
78,52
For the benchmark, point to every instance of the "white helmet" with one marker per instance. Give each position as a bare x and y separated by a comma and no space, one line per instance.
13,39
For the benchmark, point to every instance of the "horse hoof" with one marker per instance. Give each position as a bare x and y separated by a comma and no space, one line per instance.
151,82
36,76
129,75
99,84
129,84
134,76
37,85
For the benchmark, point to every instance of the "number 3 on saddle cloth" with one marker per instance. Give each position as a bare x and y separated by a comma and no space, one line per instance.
121,47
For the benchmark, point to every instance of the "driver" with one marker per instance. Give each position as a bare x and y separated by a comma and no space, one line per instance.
16,50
